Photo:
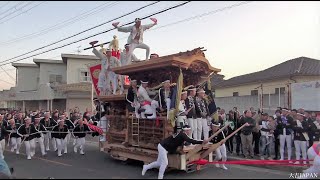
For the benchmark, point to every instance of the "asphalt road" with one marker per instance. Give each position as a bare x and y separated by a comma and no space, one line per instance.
96,164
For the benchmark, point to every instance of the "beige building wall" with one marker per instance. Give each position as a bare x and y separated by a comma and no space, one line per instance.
49,68
74,67
27,78
268,87
82,103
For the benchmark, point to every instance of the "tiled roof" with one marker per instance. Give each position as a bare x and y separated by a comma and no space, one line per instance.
301,66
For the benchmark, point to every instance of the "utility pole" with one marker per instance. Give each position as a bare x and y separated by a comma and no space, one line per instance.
79,49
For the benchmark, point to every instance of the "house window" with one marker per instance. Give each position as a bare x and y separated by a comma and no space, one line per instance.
55,78
254,92
85,76
235,94
282,90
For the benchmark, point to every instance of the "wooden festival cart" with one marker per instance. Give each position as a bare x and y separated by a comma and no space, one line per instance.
137,139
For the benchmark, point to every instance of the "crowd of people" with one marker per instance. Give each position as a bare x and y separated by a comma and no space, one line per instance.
45,129
271,134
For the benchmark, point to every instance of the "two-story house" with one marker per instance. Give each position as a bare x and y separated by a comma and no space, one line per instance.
52,84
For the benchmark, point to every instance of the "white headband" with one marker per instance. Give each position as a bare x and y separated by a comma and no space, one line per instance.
166,81
216,125
145,82
186,129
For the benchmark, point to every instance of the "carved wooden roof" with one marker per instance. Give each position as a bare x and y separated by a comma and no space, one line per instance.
194,60
193,63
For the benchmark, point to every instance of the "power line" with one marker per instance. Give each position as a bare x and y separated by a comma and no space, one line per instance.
82,32
23,12
6,82
16,10
14,7
202,15
159,12
62,24
5,4
188,19
7,73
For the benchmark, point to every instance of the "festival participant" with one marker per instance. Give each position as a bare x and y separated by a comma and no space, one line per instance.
264,130
48,123
201,114
39,137
106,75
146,102
183,111
80,132
135,38
165,96
191,116
59,132
3,134
125,56
71,126
300,127
284,128
315,168
132,97
221,152
27,131
15,139
170,146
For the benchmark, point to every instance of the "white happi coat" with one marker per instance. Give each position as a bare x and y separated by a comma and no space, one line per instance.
125,58
149,109
134,31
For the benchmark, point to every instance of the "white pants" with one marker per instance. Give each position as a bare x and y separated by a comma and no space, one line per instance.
2,148
67,140
202,126
80,143
194,127
61,145
102,83
30,148
168,104
113,78
150,110
301,146
121,77
288,140
15,144
47,138
221,153
41,143
133,46
162,161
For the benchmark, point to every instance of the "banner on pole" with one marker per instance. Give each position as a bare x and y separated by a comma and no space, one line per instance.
94,74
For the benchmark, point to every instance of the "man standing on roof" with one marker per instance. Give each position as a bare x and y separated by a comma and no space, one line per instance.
135,38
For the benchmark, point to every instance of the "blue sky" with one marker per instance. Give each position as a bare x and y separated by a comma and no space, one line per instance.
240,40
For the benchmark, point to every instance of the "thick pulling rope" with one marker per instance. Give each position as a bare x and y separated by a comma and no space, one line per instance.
253,162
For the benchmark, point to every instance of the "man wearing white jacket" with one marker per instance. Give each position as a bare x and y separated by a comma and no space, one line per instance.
135,38
146,102
106,75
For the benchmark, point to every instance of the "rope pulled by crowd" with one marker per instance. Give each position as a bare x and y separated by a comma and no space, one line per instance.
254,162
